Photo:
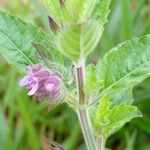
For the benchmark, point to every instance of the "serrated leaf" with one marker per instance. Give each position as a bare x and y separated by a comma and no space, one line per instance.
118,116
117,97
101,11
101,114
107,121
16,38
125,66
91,80
92,84
78,40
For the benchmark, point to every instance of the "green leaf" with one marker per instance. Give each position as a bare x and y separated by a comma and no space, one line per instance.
107,121
80,10
121,97
92,84
70,11
117,97
78,40
118,116
125,66
16,38
101,11
101,113
55,8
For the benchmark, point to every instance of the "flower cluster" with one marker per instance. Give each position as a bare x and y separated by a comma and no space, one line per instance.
42,83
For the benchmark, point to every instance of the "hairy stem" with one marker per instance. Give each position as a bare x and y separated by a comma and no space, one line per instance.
100,143
80,77
85,126
83,113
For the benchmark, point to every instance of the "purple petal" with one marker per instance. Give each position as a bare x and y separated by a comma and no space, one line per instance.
37,68
33,89
43,73
49,86
24,81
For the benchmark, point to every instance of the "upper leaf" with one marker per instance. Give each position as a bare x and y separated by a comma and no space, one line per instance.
16,42
78,40
70,11
80,10
101,11
125,66
55,8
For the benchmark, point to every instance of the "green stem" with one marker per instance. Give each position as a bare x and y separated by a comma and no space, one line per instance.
83,113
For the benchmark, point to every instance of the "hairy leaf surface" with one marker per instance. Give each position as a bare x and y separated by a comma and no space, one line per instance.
101,11
55,8
70,11
121,97
16,42
108,120
125,66
77,41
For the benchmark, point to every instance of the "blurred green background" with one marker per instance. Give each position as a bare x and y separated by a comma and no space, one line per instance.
23,121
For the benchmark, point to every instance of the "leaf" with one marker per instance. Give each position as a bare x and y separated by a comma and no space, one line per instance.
80,10
100,117
92,84
55,8
125,65
77,41
101,11
70,11
121,97
107,121
118,116
16,38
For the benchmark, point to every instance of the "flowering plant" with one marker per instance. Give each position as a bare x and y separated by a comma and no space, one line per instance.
57,71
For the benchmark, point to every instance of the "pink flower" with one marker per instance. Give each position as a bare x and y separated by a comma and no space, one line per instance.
42,83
